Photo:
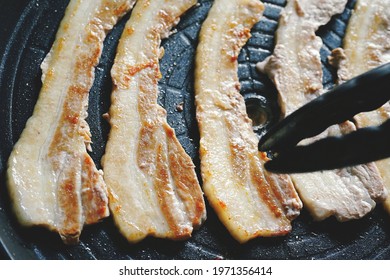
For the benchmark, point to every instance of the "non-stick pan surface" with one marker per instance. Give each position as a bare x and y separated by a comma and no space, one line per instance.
27,30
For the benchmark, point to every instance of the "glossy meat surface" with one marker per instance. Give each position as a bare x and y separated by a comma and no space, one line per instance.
366,45
153,187
249,201
295,68
52,180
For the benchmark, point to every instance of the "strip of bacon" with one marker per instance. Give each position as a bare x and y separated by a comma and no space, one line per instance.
153,187
366,46
295,67
52,180
248,200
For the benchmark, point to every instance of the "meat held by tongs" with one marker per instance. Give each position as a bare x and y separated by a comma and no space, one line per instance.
363,93
366,45
295,68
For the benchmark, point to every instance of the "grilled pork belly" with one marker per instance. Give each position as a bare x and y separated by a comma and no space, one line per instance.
249,201
153,187
295,67
366,46
52,180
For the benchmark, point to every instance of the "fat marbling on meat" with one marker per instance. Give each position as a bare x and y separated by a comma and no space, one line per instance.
152,184
52,180
295,68
249,201
366,45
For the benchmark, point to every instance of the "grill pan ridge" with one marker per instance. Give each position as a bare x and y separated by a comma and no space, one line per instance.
28,30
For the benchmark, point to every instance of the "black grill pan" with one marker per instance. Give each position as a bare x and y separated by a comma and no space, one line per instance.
27,30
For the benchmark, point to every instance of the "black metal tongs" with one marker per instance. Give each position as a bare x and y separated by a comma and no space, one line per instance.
364,93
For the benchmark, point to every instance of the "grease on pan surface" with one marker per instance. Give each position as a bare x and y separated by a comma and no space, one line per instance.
25,46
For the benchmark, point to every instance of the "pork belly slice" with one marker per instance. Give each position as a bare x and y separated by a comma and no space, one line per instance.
249,201
52,180
152,184
366,46
295,68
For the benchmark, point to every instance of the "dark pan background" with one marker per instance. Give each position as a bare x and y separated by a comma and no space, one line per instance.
27,30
